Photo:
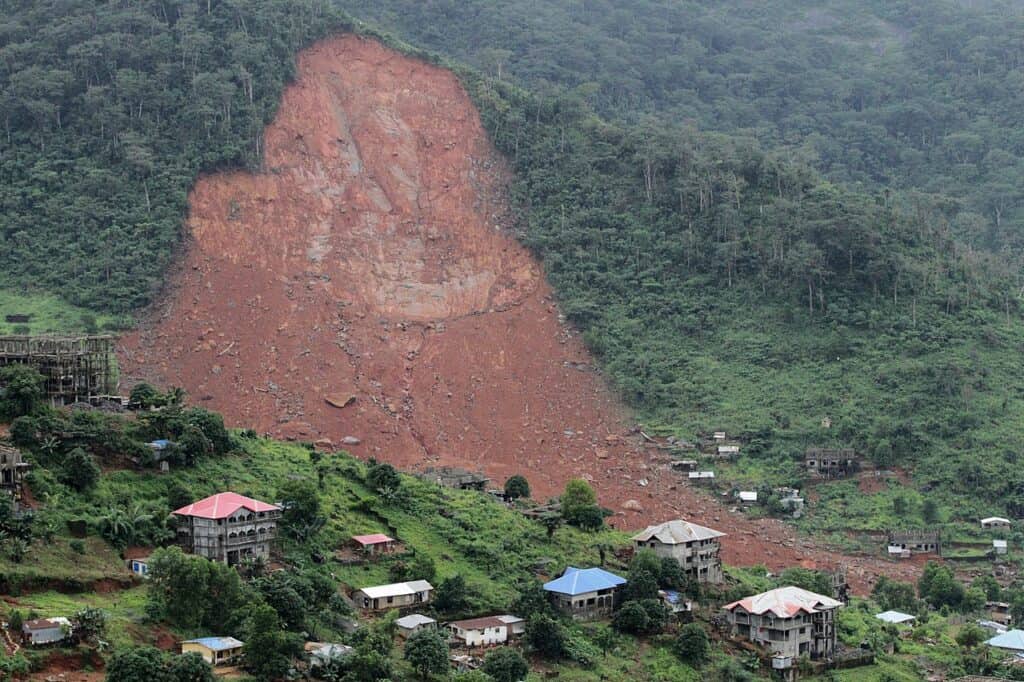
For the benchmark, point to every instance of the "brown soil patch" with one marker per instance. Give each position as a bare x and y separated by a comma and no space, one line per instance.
370,258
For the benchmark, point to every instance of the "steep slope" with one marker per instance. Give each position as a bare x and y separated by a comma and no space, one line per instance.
368,267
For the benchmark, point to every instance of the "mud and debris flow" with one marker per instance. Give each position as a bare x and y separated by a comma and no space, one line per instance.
364,291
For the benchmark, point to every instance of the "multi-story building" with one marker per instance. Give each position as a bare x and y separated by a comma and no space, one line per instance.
789,621
228,527
696,548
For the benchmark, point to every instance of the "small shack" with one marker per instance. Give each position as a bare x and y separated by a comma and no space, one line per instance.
896,618
455,477
214,650
728,451
413,623
684,465
42,631
394,595
999,611
701,477
995,522
675,601
376,543
999,547
747,497
139,566
324,653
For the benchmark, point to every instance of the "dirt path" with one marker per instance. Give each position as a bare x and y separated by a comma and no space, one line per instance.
371,260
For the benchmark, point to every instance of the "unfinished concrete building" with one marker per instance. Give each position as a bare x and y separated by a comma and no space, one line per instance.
75,368
831,463
916,541
455,477
13,468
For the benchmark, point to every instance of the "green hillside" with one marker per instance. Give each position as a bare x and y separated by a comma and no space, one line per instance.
918,96
721,281
498,552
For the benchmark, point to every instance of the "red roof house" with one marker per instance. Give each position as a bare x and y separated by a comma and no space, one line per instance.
228,527
223,505
376,542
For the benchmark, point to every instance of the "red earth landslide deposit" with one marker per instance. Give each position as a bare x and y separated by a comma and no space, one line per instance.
370,259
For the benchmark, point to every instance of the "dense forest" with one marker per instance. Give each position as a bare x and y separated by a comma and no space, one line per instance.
720,278
109,111
924,96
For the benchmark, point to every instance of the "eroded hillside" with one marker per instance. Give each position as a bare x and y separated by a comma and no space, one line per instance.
363,289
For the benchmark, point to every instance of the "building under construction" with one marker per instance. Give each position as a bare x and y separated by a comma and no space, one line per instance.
76,368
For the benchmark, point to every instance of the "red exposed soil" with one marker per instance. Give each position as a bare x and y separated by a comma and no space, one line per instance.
371,259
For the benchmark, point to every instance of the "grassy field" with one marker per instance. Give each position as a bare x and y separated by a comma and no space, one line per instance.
51,315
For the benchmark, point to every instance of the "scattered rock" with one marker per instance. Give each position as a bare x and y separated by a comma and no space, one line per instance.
350,440
632,505
340,401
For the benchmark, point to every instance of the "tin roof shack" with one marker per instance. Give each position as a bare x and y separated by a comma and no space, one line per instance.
788,621
585,593
999,547
701,477
228,527
42,631
696,548
999,611
413,623
916,542
996,522
747,497
486,631
455,477
377,543
684,465
394,595
896,618
676,602
214,650
831,463
324,653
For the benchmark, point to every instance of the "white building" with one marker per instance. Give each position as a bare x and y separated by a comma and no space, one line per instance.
46,630
696,548
486,631
394,595
788,621
995,522
999,546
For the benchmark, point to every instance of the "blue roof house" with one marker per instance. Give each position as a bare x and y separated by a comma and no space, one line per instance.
586,592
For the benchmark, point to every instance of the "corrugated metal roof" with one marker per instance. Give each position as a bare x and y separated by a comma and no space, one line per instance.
216,643
895,617
676,532
396,589
1013,640
478,623
785,602
414,620
223,505
582,580
373,539
995,519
